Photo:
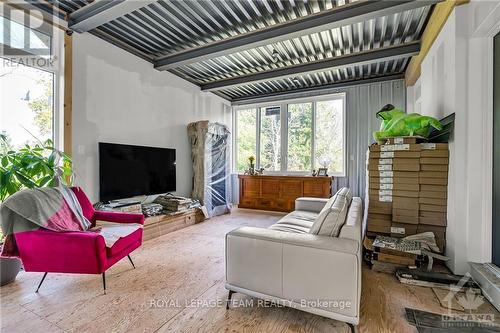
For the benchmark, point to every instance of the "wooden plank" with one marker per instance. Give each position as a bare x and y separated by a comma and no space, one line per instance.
436,22
68,93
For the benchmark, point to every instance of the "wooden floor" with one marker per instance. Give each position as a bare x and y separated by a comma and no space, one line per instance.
178,286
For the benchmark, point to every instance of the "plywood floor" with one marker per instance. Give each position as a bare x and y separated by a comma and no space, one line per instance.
178,286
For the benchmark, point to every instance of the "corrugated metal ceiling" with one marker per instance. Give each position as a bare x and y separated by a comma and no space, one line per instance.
167,27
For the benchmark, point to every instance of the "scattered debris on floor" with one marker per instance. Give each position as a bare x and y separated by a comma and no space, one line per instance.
428,322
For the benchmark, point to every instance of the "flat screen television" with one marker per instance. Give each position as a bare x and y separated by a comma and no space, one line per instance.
126,171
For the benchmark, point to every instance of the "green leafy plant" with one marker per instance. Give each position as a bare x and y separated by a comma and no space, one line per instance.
32,166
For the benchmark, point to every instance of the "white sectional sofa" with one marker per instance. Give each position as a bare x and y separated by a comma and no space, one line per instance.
309,260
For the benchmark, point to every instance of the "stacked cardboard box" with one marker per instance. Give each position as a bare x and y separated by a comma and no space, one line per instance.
433,180
407,188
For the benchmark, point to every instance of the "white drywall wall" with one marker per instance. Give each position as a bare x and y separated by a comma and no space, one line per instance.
456,78
120,98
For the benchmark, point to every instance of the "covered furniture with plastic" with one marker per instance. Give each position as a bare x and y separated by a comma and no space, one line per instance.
210,144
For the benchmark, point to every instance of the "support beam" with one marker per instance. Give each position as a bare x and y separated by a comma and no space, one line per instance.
316,91
337,17
350,60
100,12
437,20
68,94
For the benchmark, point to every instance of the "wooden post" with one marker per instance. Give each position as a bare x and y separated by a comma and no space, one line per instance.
437,20
68,92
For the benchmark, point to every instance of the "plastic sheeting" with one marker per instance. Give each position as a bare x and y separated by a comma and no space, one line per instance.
210,153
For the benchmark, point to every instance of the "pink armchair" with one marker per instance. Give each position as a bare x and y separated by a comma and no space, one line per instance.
78,252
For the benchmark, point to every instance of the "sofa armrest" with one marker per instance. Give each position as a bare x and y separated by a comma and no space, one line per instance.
65,252
314,205
118,217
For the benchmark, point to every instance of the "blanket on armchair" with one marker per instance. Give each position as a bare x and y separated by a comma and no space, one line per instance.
52,208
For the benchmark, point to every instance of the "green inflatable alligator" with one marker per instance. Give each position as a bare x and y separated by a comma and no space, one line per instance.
396,122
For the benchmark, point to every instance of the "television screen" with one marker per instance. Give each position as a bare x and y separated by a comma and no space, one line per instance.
126,171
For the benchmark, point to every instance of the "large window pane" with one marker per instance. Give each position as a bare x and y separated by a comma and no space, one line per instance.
299,136
26,104
329,136
270,138
246,131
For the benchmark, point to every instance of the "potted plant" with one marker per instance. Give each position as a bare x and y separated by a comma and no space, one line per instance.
9,267
31,166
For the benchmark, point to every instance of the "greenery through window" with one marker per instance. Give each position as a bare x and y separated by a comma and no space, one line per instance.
27,105
246,139
270,138
294,136
299,136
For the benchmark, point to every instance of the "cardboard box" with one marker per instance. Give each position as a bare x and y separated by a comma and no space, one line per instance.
433,208
404,217
380,217
394,154
406,164
406,181
441,243
435,188
437,215
434,161
433,201
403,229
439,231
395,187
405,212
400,147
405,194
435,153
401,140
377,207
379,193
433,181
433,174
405,203
433,194
434,146
380,161
432,221
379,228
434,167
379,167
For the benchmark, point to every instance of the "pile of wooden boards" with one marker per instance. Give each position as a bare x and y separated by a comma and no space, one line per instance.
407,185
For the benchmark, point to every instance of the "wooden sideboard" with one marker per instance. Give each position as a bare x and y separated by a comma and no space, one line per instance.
278,193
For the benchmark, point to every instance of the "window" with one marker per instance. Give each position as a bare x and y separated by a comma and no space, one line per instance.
270,138
246,138
29,82
299,137
294,136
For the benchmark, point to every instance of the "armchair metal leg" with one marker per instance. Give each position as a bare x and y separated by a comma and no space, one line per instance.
351,326
40,284
104,281
229,298
129,258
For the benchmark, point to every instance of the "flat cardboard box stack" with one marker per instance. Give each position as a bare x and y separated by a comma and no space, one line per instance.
407,184
433,180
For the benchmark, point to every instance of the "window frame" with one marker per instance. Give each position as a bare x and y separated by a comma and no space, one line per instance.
284,132
57,54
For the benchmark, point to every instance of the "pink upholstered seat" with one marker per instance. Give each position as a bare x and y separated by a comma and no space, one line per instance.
77,252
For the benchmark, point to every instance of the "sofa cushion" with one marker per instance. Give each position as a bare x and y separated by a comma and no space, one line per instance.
333,215
297,222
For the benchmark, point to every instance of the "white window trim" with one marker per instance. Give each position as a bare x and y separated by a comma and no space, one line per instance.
284,132
57,51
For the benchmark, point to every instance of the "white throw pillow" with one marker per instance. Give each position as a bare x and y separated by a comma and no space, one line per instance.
332,217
